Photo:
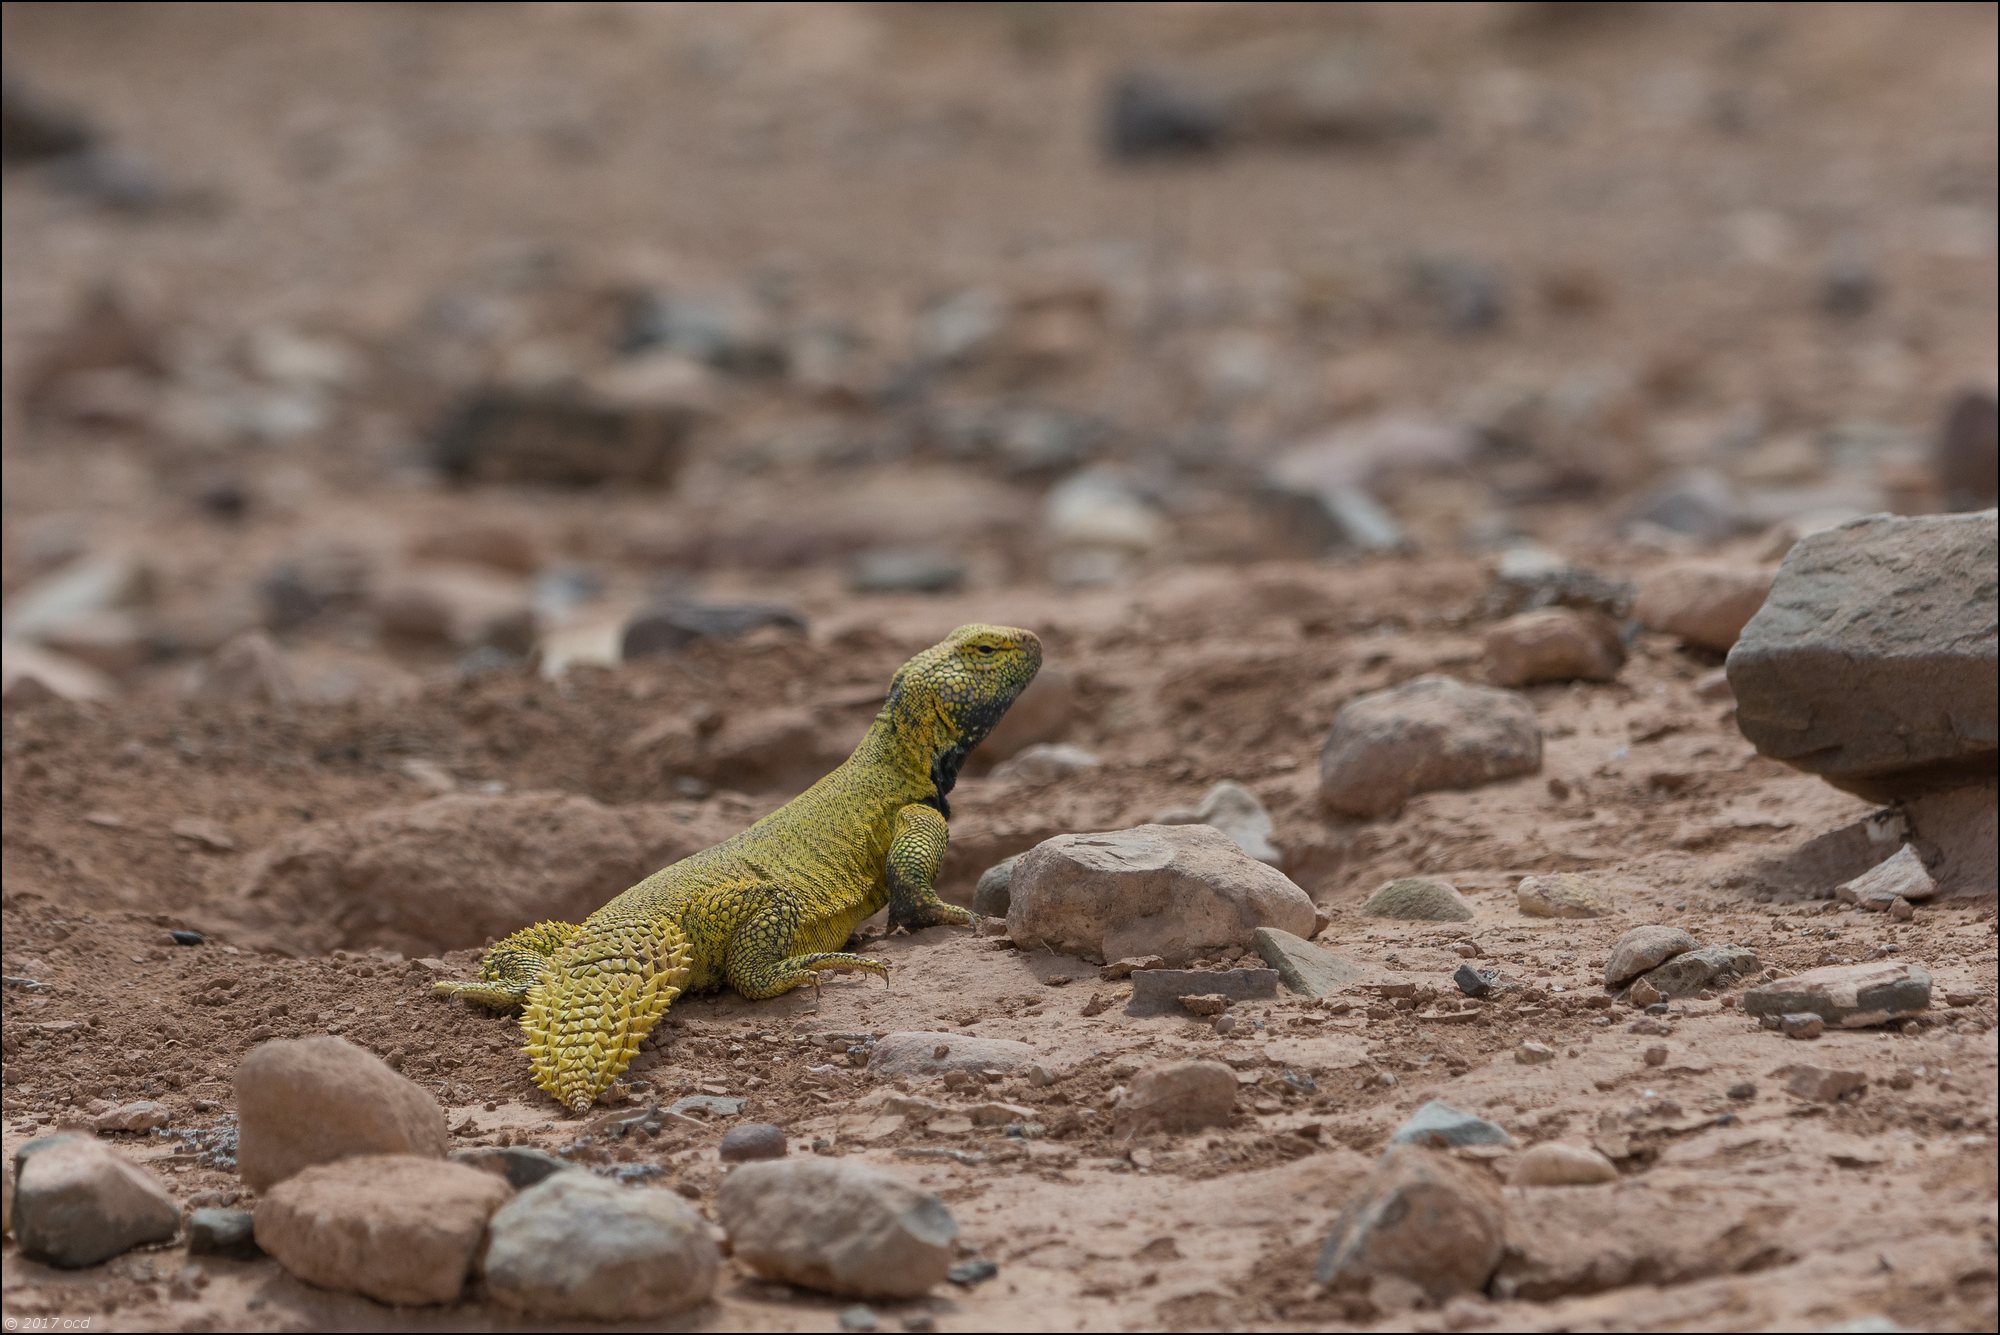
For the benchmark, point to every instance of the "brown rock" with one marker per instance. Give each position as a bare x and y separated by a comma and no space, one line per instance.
1418,899
1426,734
311,1101
396,1228
1705,603
1643,949
1179,1096
837,1226
1819,1084
565,436
919,1053
1420,1217
249,669
1562,895
1554,644
1168,890
1850,996
1557,1165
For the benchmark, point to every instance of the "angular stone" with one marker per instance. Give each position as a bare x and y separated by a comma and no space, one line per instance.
1848,996
1420,1217
1302,966
1235,810
314,1100
1437,1123
1873,663
1157,990
1704,603
1643,949
1691,971
1902,876
1554,644
1418,899
1168,890
1556,1165
231,1233
1531,1053
1820,1084
934,1054
1803,1025
1562,895
77,1202
1178,1096
579,1247
393,1227
836,1226
1431,733
133,1118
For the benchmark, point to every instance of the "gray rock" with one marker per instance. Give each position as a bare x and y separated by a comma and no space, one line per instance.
1554,644
1703,603
1552,1164
1437,1123
1420,1217
522,1166
934,1054
752,1141
836,1226
1873,663
1968,451
1901,876
1529,578
78,1202
581,1248
1710,966
994,892
231,1233
905,570
1643,949
1957,830
672,629
393,1227
1168,890
132,1118
1418,899
314,1100
1701,503
1426,734
249,669
1302,966
78,591
1848,996
1329,517
1235,810
1801,1026
1150,116
1046,762
708,1105
1472,982
1158,990
1178,1096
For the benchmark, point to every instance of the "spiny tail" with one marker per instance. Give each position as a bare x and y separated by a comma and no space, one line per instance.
599,997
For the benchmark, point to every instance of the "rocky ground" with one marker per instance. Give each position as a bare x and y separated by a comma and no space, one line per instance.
456,463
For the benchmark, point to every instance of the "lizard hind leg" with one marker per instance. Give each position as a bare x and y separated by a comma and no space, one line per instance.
512,966
600,996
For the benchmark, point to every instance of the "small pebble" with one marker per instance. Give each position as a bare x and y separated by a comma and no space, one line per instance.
1656,1055
1533,1054
1743,1091
753,1140
1802,1025
859,1318
1902,910
969,1273
1472,982
920,1321
186,938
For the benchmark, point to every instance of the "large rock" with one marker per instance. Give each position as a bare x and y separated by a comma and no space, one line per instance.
836,1226
309,1101
1704,603
1423,1218
1426,734
1873,662
446,874
1178,1096
1418,899
1554,644
1167,890
395,1228
1643,949
579,1247
1851,996
78,1202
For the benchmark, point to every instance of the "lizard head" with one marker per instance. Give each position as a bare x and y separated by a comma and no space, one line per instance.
956,690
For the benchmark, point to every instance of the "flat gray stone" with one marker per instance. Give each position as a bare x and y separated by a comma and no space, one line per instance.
1711,966
1873,662
1303,966
1643,949
1848,996
1158,990
917,1053
1438,1123
1902,876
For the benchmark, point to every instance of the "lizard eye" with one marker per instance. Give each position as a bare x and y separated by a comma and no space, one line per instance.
985,648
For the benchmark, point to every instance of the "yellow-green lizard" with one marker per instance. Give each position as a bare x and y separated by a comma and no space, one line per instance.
769,909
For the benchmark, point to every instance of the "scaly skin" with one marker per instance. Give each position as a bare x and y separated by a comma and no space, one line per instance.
770,909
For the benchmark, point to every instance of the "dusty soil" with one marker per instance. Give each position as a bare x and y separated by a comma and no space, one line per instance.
451,192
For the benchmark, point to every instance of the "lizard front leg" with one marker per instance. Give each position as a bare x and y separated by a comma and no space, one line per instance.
915,851
765,959
513,965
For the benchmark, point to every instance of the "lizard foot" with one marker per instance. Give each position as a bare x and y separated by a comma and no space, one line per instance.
913,917
783,975
512,966
599,997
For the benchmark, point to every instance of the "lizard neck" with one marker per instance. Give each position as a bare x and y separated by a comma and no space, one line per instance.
920,749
